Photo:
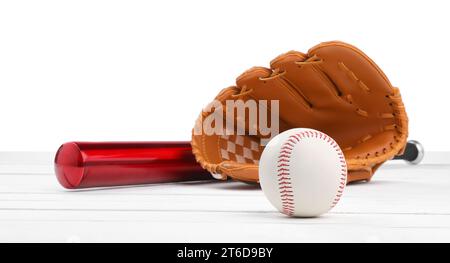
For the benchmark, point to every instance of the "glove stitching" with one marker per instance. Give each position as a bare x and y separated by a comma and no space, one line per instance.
364,113
353,76
273,75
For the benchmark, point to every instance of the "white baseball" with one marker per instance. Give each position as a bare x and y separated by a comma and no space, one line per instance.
303,172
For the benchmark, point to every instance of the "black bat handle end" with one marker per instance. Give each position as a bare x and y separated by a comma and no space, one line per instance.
413,154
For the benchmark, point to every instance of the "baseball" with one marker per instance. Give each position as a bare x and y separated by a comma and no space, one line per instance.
303,172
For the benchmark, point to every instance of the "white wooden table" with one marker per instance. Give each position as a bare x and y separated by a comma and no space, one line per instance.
402,203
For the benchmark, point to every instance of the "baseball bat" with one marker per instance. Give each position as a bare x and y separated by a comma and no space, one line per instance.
99,164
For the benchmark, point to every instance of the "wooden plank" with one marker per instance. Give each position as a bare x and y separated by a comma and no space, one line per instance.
402,203
223,227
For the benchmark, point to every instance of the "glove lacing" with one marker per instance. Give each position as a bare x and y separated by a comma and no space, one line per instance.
278,73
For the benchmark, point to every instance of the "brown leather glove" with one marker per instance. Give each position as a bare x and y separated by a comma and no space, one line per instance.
336,89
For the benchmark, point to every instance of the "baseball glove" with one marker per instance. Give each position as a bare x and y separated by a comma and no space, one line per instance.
334,88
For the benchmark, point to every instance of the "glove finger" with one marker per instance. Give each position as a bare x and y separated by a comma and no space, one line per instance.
263,84
307,80
383,127
355,74
332,113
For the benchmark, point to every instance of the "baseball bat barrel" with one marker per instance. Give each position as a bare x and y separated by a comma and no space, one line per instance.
413,153
99,164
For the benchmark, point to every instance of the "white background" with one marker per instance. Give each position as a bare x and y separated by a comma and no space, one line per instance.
142,70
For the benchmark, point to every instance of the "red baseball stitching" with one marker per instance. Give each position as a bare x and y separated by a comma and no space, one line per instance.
284,179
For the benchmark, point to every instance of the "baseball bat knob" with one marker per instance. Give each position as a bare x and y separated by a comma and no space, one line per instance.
413,154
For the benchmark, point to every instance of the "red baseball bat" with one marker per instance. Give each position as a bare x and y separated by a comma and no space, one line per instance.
98,164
